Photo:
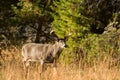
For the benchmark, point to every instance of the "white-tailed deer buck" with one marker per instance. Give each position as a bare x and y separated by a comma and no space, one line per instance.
43,53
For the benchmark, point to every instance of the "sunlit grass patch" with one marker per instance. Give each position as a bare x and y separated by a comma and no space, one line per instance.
12,69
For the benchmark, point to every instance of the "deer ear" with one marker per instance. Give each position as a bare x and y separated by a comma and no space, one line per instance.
56,42
52,31
60,40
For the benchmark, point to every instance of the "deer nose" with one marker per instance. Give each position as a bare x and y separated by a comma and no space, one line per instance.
66,45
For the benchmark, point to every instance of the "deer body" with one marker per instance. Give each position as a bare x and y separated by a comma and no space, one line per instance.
43,53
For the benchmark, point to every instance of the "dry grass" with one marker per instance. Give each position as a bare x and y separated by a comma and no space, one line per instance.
12,69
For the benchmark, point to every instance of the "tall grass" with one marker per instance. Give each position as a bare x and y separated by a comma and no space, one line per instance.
12,69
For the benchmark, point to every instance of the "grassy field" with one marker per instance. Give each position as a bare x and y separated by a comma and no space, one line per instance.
12,69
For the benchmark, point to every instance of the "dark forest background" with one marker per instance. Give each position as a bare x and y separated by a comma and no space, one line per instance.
92,27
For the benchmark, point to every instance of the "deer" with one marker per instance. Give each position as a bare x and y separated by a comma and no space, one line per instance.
42,53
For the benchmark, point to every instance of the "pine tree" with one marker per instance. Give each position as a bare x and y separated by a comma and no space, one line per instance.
69,19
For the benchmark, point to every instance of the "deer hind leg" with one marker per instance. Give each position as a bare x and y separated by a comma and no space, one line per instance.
41,68
26,68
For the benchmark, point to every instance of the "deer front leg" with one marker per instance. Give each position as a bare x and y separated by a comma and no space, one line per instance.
55,74
54,63
54,66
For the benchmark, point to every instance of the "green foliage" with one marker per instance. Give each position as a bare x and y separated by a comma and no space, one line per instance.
25,11
69,21
80,19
